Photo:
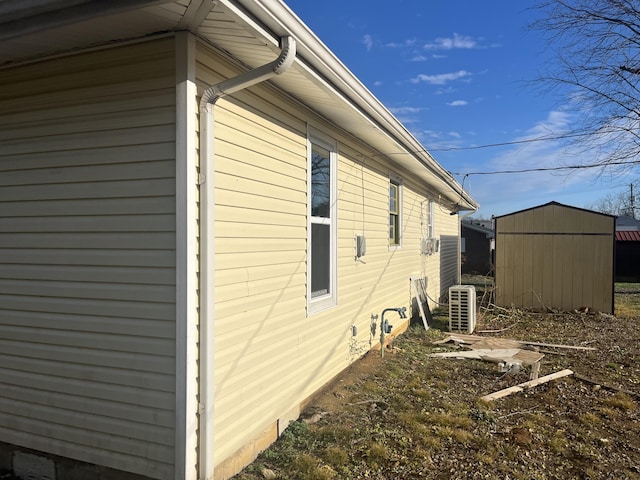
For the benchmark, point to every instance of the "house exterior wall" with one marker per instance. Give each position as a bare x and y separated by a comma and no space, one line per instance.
270,355
477,253
87,257
555,256
628,258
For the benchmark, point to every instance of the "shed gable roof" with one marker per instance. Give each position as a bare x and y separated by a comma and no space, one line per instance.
553,203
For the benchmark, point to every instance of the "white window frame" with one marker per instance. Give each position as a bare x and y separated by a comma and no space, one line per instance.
431,232
396,180
323,302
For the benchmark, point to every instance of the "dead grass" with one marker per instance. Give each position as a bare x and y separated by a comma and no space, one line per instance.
410,416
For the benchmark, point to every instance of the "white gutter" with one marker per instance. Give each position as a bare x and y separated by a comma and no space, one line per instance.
207,237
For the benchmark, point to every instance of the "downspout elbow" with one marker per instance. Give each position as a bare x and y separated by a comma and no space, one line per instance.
252,77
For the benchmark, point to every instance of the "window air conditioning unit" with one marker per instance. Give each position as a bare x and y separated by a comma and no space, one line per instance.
462,308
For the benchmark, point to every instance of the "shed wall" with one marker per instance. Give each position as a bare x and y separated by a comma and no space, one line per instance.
555,257
269,355
87,257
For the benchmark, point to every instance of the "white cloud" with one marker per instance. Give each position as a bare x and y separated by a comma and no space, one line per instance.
430,134
526,189
410,42
405,110
434,140
443,91
367,40
441,78
450,43
407,114
458,103
535,154
418,58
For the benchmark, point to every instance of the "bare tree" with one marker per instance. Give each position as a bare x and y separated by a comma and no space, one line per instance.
596,69
619,203
612,204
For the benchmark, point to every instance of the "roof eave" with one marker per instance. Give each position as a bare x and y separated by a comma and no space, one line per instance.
281,20
25,17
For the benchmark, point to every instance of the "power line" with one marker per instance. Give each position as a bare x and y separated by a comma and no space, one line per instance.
516,142
550,169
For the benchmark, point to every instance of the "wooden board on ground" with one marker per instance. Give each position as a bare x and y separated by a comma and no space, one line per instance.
420,292
522,386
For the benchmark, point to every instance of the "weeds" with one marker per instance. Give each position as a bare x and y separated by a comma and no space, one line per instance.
420,417
622,401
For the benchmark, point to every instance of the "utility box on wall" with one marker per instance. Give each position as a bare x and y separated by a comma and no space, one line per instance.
555,256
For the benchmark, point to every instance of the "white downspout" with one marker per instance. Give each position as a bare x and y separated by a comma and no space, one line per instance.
207,237
257,75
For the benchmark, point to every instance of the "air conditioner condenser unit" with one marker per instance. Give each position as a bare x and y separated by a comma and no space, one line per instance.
462,308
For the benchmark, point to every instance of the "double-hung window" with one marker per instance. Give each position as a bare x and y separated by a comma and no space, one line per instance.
395,212
321,242
430,219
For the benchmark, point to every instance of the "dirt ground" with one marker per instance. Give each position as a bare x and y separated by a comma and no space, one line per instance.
409,415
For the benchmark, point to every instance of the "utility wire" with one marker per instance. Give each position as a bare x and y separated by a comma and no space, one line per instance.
515,142
550,169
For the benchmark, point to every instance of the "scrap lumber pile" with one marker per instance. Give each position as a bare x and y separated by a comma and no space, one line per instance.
509,353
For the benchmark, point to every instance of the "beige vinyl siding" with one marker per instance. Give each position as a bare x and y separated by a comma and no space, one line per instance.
87,257
554,256
270,355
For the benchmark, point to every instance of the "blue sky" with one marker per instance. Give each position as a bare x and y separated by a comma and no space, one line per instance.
459,75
